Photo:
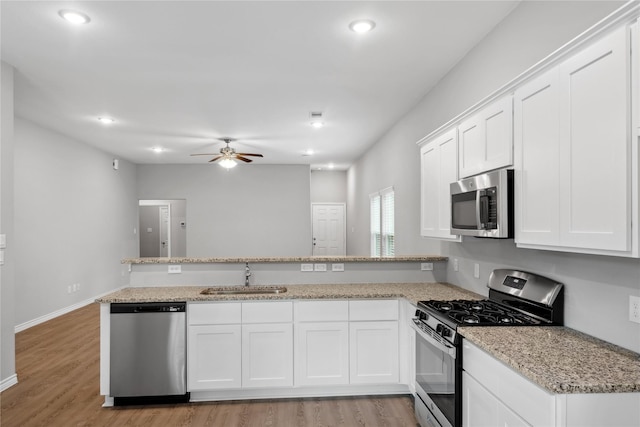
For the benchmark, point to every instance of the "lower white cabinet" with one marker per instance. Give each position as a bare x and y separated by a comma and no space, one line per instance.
481,408
322,353
373,341
267,355
496,395
214,357
373,352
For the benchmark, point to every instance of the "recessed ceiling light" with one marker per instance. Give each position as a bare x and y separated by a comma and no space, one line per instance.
362,26
106,120
309,152
74,16
317,124
157,149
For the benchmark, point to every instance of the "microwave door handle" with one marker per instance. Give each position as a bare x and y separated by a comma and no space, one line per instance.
484,209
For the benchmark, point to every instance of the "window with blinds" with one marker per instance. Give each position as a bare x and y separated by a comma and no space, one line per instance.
382,223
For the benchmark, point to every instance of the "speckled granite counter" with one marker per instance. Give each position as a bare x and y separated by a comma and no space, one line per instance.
178,260
560,359
413,292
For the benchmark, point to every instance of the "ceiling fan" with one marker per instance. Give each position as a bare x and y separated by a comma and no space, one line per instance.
228,155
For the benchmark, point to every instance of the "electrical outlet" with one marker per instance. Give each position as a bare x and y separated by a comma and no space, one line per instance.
634,309
426,266
306,267
456,266
337,267
175,269
476,270
320,267
69,289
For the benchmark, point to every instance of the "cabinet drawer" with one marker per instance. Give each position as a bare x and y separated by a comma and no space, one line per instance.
525,398
321,311
218,313
373,310
267,312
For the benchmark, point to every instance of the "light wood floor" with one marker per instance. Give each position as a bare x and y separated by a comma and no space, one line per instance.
58,373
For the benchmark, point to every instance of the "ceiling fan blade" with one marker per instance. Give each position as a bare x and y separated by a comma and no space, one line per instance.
215,158
250,154
205,154
244,159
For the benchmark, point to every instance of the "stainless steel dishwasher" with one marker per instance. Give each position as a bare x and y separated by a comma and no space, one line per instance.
148,353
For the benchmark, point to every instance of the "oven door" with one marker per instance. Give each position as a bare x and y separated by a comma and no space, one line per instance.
436,379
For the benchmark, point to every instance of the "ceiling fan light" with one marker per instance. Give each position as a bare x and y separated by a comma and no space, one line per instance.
228,163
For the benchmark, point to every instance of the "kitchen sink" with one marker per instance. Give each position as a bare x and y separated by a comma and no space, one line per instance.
244,290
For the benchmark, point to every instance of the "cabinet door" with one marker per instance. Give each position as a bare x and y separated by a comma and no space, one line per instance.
595,192
373,352
537,168
267,355
322,353
479,406
439,168
486,139
214,357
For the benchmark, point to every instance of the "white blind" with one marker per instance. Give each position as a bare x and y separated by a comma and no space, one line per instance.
374,203
388,220
382,223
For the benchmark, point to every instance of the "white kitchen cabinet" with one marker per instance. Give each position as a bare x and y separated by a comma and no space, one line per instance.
322,353
438,169
267,344
321,342
373,341
494,394
572,154
267,355
214,357
214,346
486,139
537,161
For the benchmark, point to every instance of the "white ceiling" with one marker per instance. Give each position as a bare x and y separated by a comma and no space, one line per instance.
180,74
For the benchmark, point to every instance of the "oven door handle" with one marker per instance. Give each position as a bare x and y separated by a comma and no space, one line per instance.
450,350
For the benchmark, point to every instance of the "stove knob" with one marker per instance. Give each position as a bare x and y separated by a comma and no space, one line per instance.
423,315
439,329
446,332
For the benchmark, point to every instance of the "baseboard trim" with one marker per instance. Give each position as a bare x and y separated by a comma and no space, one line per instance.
26,325
8,382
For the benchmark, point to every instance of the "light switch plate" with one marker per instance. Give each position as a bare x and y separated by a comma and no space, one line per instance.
634,309
3,241
306,267
320,267
175,269
1,256
456,265
476,270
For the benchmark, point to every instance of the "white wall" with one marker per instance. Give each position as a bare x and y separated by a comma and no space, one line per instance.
74,221
531,32
7,275
328,186
251,210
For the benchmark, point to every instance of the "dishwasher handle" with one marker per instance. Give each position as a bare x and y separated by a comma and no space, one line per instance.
149,307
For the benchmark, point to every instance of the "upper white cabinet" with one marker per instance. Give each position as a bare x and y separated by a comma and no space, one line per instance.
438,169
572,147
486,139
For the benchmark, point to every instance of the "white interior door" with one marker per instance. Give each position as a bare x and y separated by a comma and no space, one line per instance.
165,233
328,229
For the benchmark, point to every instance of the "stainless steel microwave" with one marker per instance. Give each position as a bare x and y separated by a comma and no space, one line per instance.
482,205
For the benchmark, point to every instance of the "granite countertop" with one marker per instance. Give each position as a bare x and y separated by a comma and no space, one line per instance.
190,260
413,292
560,359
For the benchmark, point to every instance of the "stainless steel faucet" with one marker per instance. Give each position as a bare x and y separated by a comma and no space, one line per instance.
247,273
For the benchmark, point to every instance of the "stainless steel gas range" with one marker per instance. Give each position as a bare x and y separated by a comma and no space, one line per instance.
516,298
